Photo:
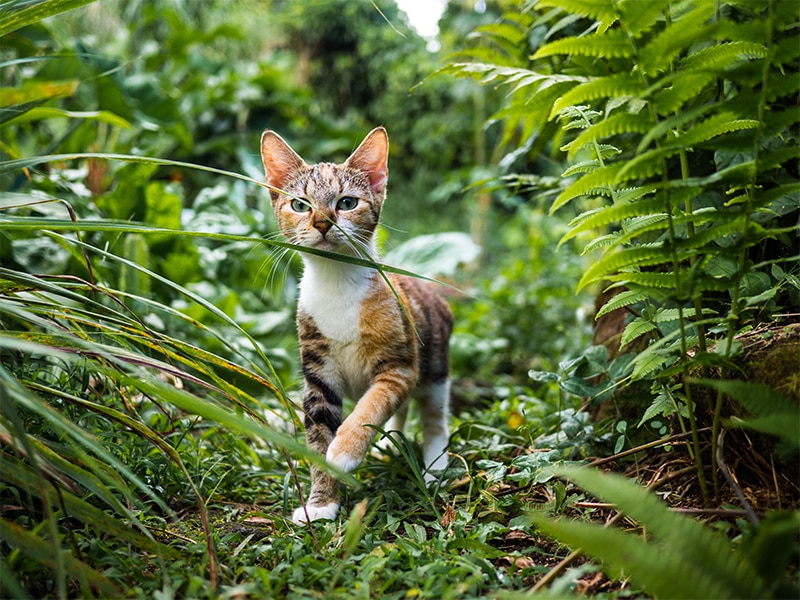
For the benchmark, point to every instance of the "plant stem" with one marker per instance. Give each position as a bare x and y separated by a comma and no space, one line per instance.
741,270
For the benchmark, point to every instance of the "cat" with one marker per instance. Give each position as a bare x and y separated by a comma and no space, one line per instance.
355,337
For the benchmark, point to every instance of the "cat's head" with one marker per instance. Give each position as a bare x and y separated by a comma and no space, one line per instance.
328,206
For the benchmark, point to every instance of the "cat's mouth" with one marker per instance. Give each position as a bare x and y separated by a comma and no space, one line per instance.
326,242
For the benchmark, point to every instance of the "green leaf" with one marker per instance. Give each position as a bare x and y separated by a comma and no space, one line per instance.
681,558
45,552
613,214
657,55
614,43
36,91
773,544
49,112
775,414
620,300
636,329
623,260
598,10
22,13
601,178
637,17
610,86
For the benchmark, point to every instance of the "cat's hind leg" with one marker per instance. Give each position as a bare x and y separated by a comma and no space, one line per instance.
434,401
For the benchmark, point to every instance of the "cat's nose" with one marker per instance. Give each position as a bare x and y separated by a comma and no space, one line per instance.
321,223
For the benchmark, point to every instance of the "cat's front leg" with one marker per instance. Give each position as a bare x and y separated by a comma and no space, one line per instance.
354,437
322,406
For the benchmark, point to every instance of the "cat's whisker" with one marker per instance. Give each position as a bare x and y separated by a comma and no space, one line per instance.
274,256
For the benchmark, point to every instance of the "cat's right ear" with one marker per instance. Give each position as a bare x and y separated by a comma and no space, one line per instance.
280,161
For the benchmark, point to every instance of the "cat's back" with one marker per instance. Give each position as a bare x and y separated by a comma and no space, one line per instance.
430,326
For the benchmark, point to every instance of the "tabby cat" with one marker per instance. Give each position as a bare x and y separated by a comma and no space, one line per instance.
355,337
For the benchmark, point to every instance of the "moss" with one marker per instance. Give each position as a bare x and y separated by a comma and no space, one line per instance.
772,357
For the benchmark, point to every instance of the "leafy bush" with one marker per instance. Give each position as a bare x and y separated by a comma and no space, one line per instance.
678,120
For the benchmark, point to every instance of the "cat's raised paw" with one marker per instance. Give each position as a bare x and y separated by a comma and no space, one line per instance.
341,459
304,514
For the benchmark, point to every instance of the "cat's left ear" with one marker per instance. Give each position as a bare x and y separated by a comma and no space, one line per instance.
280,161
371,158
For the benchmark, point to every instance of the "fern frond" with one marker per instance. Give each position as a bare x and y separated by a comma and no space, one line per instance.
673,123
534,111
603,177
648,362
785,52
638,226
633,194
636,329
611,214
658,54
604,241
637,18
599,10
621,300
484,53
663,574
509,36
585,166
612,86
646,165
617,124
716,58
670,315
650,163
712,127
720,230
685,86
648,280
696,562
612,44
628,258
775,158
775,414
782,87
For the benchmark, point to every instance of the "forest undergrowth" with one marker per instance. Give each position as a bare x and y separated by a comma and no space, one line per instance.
638,438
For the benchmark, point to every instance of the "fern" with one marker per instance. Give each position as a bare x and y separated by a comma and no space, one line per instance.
636,329
664,47
613,86
644,255
611,44
599,10
590,181
680,558
679,120
615,125
774,413
640,17
723,55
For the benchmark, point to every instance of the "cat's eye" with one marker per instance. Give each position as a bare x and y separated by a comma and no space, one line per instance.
300,206
347,203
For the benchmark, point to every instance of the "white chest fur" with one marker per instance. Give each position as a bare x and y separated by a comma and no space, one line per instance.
332,293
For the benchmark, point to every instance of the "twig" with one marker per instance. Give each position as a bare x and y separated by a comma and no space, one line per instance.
719,512
655,444
727,473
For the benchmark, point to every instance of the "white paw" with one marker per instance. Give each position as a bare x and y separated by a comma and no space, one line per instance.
340,459
315,513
